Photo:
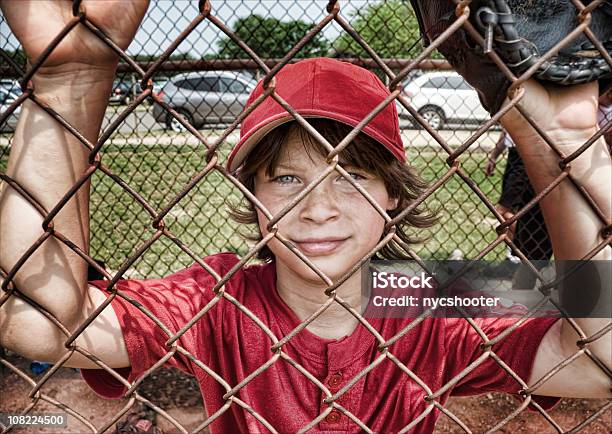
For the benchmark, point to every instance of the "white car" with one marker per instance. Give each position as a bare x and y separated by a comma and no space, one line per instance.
443,98
6,99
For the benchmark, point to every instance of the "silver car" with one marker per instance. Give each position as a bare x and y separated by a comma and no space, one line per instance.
6,99
214,97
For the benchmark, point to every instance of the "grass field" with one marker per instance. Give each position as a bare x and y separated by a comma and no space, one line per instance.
159,172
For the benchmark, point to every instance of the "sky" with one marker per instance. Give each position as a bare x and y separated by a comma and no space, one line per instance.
165,19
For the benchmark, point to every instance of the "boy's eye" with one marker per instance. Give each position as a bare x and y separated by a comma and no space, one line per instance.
285,179
355,175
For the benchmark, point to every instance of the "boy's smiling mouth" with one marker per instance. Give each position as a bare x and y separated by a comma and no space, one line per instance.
319,246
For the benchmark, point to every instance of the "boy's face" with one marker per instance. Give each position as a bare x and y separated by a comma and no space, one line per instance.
334,225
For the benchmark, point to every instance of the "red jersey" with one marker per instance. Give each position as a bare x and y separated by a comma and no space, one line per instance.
230,343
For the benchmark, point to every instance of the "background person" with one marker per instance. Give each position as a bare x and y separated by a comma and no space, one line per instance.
529,232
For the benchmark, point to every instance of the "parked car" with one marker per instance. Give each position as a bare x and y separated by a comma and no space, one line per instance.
158,85
122,92
6,99
212,97
10,85
443,98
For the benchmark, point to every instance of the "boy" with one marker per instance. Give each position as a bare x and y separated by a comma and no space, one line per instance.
331,228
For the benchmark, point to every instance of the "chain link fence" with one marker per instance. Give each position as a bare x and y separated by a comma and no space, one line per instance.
146,151
160,188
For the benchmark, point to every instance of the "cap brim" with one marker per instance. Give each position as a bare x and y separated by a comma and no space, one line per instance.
248,143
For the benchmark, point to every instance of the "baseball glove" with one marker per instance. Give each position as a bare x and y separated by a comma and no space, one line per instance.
520,31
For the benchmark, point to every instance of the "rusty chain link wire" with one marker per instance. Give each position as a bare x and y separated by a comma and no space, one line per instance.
215,165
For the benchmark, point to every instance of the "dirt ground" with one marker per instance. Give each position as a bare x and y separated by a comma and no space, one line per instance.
179,396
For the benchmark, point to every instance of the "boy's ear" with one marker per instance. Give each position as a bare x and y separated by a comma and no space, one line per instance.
392,203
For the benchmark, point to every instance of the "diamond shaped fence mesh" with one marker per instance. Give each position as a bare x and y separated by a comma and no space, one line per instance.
160,189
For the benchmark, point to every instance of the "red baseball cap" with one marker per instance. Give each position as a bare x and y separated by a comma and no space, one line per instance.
322,88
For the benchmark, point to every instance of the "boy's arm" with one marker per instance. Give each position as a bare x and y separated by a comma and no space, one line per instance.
568,116
47,161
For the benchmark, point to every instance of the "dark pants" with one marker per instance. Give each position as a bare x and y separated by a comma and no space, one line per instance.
531,236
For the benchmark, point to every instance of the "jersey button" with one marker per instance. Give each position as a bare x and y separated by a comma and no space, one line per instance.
333,417
334,381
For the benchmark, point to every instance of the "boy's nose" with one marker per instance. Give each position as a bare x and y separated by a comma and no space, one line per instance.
320,205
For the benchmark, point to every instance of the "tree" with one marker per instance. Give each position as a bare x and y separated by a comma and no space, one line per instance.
271,38
390,28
